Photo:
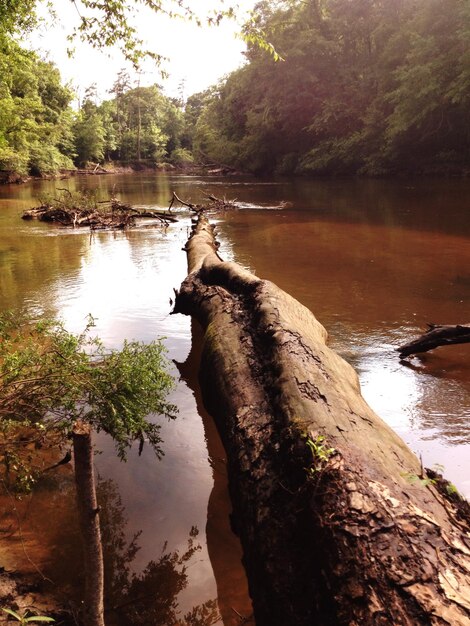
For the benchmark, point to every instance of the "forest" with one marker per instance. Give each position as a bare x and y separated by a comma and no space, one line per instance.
366,87
41,134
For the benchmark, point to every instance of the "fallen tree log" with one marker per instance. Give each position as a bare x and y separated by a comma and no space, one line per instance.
332,529
436,335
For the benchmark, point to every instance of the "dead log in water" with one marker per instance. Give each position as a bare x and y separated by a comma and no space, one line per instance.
214,204
436,335
333,531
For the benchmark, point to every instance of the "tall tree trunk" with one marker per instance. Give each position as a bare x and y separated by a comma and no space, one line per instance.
139,120
332,530
89,524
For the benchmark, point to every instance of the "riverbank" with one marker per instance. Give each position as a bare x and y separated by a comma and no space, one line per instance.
13,178
200,169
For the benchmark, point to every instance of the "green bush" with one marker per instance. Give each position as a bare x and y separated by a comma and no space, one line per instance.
11,161
44,159
181,156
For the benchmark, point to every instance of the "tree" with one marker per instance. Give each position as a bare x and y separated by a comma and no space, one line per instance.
35,120
90,134
143,122
17,15
121,85
56,387
33,141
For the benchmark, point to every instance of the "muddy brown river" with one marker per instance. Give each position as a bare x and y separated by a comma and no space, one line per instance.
374,260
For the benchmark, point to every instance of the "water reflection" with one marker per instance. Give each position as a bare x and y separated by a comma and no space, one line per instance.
132,598
30,262
149,597
224,550
438,375
126,281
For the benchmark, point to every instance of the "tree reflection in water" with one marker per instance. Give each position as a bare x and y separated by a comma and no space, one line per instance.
151,597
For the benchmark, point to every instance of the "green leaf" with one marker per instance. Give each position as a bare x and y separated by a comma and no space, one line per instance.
13,614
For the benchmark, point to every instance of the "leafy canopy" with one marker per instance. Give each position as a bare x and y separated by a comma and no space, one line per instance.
108,23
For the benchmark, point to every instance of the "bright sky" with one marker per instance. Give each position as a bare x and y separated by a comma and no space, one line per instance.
197,56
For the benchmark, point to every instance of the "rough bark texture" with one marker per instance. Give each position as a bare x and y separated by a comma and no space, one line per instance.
437,335
89,525
329,538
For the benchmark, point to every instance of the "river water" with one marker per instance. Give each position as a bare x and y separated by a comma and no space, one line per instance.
374,260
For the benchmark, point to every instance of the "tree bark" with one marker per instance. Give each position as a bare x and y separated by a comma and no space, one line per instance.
89,524
436,335
332,530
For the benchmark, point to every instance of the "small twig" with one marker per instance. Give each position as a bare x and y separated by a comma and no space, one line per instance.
65,190
193,207
243,619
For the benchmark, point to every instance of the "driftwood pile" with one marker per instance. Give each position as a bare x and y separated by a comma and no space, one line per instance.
82,211
109,214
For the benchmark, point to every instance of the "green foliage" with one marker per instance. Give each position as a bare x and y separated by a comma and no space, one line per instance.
369,87
40,134
28,617
69,200
452,490
47,159
181,156
12,161
89,137
35,121
50,378
138,124
17,15
364,87
320,452
422,481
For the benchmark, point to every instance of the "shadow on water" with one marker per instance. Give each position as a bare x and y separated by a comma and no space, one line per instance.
223,547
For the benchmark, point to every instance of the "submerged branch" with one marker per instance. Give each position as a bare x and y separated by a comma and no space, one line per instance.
214,204
436,335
